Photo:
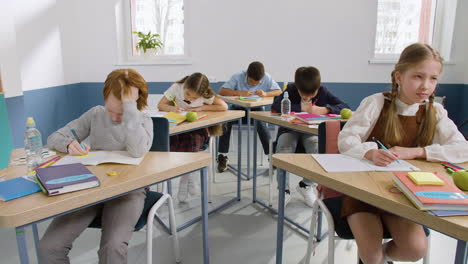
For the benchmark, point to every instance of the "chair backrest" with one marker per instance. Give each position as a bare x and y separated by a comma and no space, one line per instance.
328,143
160,134
328,136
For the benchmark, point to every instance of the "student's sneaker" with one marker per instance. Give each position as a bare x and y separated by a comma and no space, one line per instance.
308,192
223,162
193,186
287,199
183,193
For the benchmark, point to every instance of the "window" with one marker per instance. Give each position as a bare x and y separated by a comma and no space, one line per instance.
403,22
163,17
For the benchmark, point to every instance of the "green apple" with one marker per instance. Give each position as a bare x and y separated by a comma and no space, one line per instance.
191,116
346,113
460,178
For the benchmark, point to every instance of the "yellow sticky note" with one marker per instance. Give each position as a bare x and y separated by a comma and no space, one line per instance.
425,178
85,155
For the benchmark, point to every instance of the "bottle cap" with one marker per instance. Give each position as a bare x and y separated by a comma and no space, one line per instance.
30,121
286,95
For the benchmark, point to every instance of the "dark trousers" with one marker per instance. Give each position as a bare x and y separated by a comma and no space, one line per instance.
262,131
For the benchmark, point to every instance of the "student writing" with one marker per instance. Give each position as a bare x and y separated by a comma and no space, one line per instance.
245,83
191,93
119,125
306,95
408,122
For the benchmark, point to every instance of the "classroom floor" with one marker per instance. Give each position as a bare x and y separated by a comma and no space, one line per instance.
242,233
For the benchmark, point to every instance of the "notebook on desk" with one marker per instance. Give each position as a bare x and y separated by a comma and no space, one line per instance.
66,178
344,163
18,187
98,157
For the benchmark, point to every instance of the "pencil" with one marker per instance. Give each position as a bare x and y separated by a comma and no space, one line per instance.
172,99
383,147
76,137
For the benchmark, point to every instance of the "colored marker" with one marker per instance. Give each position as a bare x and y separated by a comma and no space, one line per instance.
383,147
450,171
76,137
45,164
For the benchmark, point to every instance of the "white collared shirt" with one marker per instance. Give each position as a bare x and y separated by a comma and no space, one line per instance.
449,143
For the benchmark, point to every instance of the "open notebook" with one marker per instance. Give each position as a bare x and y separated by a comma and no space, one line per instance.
340,162
98,157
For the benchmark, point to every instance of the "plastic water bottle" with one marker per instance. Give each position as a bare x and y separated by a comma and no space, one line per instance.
285,107
32,144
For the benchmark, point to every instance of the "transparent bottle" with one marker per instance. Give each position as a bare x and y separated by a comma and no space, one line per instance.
285,107
32,144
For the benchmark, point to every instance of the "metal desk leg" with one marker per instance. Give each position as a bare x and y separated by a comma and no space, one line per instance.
239,158
36,240
204,213
270,172
22,247
462,250
254,194
279,231
248,142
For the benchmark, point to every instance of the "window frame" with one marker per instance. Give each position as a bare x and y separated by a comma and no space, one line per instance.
442,34
124,40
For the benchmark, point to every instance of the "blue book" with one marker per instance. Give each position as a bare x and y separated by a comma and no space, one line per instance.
17,187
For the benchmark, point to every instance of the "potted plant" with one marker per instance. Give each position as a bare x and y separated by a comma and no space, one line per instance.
148,43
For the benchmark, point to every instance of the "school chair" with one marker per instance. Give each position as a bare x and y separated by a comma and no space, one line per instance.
328,143
440,99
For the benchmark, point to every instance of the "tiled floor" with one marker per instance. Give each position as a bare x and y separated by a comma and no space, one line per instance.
242,233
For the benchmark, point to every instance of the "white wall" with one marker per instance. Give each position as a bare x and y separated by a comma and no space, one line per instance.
336,36
38,43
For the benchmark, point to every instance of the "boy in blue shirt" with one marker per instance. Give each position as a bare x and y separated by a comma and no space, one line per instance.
306,95
247,83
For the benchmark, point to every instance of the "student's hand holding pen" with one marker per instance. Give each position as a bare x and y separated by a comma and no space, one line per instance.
75,148
260,92
245,93
177,109
381,157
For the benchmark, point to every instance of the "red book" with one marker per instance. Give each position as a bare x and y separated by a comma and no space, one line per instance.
432,197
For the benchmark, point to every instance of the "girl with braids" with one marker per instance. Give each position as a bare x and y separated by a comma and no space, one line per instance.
409,123
118,125
191,93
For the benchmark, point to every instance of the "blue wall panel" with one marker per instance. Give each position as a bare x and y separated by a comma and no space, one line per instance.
53,107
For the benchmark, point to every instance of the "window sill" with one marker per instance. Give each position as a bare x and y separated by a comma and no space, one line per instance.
155,61
394,61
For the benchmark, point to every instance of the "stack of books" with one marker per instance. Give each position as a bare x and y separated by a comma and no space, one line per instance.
431,192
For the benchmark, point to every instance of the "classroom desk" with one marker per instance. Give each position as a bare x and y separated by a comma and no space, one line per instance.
275,119
372,188
156,167
248,105
212,118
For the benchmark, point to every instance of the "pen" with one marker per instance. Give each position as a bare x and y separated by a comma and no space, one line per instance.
172,99
315,101
382,146
76,137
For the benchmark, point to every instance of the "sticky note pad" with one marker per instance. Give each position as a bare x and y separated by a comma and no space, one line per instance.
425,178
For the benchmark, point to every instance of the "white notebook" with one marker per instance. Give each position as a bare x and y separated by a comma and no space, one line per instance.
340,162
98,157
